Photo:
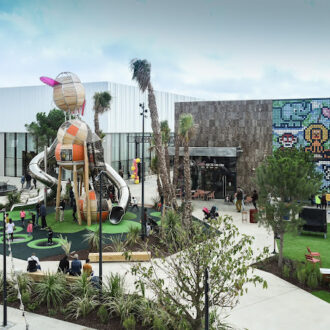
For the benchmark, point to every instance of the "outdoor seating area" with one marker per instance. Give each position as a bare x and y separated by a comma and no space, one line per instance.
202,194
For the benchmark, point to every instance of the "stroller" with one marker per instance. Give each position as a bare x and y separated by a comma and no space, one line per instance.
210,214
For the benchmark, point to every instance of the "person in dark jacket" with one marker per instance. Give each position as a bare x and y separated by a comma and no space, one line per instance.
64,265
76,266
324,202
254,199
43,214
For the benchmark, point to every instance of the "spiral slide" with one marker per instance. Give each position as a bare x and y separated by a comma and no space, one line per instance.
36,172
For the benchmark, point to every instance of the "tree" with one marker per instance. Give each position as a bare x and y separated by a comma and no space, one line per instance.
177,282
102,102
176,158
141,73
284,179
44,129
166,135
186,131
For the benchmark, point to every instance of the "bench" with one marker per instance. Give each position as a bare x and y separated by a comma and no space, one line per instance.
39,276
325,272
315,220
120,256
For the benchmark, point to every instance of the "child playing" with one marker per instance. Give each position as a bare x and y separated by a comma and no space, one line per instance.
22,215
50,236
33,218
29,228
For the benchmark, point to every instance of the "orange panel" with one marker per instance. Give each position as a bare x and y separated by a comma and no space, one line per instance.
77,152
81,208
73,130
92,195
58,152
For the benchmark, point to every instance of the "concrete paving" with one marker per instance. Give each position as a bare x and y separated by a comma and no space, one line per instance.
282,306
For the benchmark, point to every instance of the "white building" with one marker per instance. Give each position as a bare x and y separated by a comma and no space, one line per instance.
19,106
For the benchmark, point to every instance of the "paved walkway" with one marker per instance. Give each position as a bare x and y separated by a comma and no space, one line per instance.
280,307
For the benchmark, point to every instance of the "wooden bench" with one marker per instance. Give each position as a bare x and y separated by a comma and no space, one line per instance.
39,276
325,274
120,256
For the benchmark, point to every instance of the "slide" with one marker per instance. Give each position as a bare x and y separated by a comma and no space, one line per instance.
36,172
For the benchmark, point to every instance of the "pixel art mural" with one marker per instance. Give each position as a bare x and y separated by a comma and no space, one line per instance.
304,124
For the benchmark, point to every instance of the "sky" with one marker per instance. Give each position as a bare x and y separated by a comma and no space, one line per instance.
209,49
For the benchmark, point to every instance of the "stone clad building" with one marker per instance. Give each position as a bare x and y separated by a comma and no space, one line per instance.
233,137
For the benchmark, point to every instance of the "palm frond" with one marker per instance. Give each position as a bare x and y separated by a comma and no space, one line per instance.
141,72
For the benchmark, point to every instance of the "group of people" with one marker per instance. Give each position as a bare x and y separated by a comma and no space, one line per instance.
64,266
320,200
238,199
27,178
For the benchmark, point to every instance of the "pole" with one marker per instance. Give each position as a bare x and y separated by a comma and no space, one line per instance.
100,236
4,242
143,224
45,187
206,278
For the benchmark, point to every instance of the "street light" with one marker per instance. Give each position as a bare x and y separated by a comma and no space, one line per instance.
4,269
143,224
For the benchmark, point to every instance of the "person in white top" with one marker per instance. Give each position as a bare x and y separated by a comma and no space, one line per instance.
134,204
10,229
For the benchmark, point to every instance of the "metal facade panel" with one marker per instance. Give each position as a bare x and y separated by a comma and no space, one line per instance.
207,152
2,154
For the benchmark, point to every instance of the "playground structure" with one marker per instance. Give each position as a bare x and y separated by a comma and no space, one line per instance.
78,149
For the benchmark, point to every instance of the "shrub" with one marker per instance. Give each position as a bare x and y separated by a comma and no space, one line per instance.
32,306
103,314
129,323
25,284
172,227
26,297
83,286
93,239
301,274
52,290
286,271
133,235
114,286
65,245
121,306
118,245
52,312
81,306
158,324
13,198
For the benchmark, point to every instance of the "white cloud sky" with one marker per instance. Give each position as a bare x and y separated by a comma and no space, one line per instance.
212,49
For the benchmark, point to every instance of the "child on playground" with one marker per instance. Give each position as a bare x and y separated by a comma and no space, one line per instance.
50,236
29,228
7,217
22,214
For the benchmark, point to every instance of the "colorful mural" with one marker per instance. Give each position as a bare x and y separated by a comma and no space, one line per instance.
304,124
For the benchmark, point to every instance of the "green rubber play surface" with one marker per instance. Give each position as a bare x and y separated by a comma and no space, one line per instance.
24,245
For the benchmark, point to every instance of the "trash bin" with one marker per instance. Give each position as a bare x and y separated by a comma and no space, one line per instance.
252,216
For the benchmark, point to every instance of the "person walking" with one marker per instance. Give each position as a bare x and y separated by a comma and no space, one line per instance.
10,229
318,201
29,228
255,198
28,179
22,181
134,204
239,198
22,215
324,201
43,213
62,208
37,213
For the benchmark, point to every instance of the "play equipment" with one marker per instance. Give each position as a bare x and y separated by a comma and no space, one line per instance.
135,170
78,149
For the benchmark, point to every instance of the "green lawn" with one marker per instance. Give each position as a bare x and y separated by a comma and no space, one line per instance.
295,246
324,295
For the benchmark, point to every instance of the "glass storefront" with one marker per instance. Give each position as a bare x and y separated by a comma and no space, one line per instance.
20,148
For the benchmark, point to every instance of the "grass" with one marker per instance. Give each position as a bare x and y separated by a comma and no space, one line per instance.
295,246
324,295
70,227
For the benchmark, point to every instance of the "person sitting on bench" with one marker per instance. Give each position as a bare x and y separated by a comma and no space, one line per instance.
33,264
76,266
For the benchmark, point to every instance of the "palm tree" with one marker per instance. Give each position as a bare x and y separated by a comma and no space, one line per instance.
176,158
141,73
101,105
186,131
166,135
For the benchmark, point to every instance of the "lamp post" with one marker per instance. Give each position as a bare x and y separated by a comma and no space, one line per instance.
143,224
4,269
99,177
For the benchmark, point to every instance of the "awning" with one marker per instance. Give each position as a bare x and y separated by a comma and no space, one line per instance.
208,151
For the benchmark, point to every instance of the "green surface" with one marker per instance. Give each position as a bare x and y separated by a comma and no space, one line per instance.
26,237
16,230
295,246
14,215
324,295
156,214
108,228
34,244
